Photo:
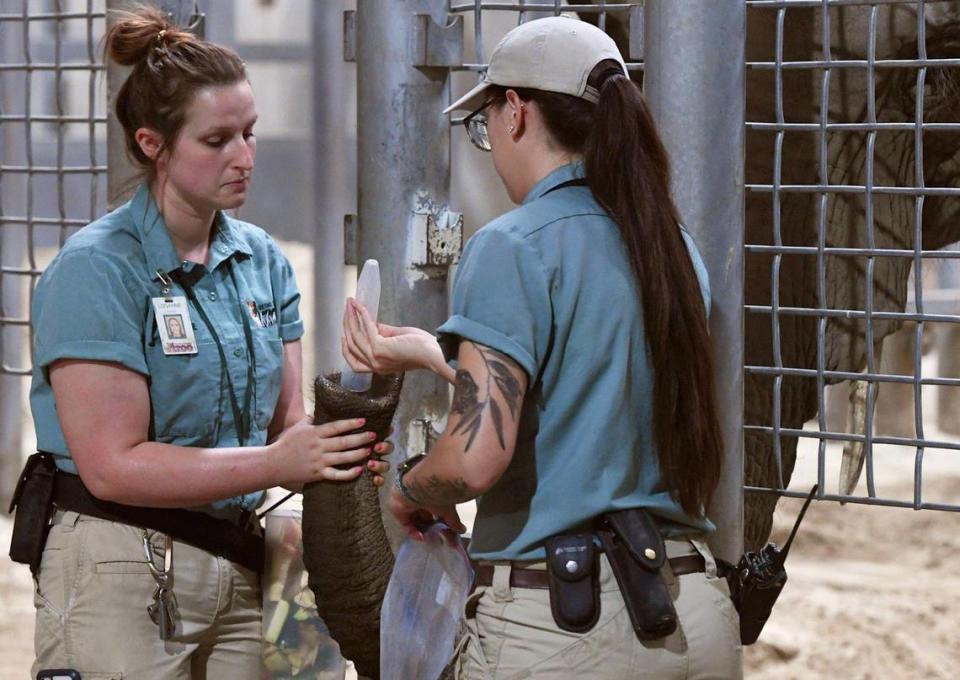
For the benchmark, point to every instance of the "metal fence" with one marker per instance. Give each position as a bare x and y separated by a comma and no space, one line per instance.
851,185
52,170
849,132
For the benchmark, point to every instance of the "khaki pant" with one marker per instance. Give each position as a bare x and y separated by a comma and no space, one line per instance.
511,633
91,598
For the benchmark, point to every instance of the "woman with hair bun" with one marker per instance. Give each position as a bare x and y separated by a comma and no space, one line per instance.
584,417
164,442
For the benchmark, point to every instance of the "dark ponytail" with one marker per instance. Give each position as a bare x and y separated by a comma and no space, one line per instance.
628,172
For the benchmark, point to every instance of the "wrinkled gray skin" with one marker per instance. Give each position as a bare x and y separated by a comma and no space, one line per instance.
844,346
893,217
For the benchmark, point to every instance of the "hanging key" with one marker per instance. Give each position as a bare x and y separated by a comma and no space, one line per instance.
163,612
163,609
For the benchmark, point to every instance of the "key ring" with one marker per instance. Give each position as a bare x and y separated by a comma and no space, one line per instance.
163,577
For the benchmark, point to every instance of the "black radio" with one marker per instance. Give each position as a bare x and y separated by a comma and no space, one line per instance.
756,581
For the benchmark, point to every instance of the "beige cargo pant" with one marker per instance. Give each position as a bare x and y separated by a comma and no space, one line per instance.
91,599
511,633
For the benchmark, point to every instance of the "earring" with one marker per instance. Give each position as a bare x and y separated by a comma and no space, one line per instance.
511,129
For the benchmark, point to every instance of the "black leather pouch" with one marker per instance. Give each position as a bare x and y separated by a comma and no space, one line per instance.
32,501
574,586
636,554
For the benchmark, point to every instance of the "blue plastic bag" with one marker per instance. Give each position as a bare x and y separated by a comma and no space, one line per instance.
421,610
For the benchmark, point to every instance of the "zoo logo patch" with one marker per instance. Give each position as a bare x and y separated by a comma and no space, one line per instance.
264,315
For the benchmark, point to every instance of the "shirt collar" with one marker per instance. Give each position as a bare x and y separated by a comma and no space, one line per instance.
564,173
158,247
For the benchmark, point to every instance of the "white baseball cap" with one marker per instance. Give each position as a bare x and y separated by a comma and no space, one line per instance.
555,54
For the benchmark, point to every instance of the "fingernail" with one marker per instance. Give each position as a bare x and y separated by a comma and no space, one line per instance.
371,435
361,421
379,447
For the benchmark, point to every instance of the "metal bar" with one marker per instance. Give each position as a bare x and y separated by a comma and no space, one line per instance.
850,375
920,181
696,96
846,437
37,66
852,127
823,168
392,186
52,16
852,63
777,259
55,221
29,169
868,279
854,252
51,119
850,313
555,6
890,503
781,4
332,183
856,189
121,177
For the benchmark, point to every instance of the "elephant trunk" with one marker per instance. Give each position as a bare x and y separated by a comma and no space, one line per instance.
345,546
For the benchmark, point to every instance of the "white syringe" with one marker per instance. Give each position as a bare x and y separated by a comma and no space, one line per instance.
368,295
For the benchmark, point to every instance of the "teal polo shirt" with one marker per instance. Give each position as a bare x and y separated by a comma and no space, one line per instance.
94,302
549,285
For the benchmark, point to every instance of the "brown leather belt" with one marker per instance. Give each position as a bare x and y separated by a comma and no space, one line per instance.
537,578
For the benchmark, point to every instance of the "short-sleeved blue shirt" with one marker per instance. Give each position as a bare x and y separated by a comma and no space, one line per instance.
549,284
94,302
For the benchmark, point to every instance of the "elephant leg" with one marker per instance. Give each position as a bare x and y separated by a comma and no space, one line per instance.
851,465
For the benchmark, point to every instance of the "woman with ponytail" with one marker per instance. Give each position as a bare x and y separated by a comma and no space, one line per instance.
583,401
163,442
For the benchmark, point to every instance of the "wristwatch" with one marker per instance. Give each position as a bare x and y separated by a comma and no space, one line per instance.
403,469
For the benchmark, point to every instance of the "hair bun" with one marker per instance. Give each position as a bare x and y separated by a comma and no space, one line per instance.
134,34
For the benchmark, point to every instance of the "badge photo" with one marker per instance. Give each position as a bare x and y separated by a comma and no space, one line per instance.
174,325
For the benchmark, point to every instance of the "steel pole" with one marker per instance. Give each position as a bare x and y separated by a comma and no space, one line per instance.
332,181
694,82
12,255
403,159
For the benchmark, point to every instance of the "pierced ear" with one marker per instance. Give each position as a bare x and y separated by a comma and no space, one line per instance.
150,142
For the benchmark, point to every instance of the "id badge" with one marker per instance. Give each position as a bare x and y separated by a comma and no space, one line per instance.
173,323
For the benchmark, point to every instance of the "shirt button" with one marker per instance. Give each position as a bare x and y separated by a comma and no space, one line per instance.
238,352
213,296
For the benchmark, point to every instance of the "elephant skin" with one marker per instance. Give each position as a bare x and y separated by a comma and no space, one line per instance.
345,546
844,214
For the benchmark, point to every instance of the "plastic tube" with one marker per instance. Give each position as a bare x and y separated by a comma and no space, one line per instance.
368,295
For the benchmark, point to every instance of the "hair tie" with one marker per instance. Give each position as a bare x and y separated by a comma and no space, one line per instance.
160,35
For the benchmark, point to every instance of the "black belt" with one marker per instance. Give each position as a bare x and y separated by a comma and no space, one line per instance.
217,536
538,578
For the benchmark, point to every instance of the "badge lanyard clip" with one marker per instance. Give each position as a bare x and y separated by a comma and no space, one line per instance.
166,283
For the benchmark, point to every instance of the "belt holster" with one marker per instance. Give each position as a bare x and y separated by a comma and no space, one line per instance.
32,500
574,582
636,553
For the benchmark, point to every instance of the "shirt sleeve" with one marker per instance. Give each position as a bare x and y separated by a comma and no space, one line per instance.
286,294
88,311
501,299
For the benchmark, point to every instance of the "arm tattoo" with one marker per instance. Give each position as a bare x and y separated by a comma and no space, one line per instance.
467,404
436,491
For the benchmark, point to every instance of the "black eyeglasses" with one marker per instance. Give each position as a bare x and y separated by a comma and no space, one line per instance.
476,124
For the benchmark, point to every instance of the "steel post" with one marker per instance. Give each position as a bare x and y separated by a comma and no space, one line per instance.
696,95
403,159
332,183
